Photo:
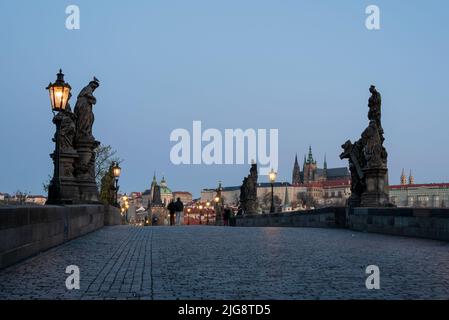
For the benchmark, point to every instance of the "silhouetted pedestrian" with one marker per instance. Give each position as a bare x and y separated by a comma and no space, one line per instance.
179,209
172,211
226,216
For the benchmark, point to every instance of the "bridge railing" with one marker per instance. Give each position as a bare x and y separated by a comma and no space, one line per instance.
28,230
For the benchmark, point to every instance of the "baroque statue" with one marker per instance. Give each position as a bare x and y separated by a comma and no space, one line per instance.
375,109
248,191
83,111
367,159
67,130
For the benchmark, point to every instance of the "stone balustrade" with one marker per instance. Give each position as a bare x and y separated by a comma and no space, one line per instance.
29,230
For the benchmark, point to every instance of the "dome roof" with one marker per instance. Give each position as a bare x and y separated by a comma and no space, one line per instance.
165,190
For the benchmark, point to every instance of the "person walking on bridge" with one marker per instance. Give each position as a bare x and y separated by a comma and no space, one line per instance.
172,211
179,208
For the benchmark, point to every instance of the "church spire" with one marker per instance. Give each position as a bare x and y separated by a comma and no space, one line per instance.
411,178
310,157
325,167
403,178
296,176
163,182
286,198
154,179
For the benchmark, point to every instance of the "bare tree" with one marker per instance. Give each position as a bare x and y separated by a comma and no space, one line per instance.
105,155
21,197
46,184
266,201
306,199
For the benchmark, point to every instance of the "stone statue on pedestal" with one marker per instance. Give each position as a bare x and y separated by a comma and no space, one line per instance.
86,144
368,160
248,192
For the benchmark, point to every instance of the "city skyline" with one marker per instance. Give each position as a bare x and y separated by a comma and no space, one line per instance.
238,153
295,67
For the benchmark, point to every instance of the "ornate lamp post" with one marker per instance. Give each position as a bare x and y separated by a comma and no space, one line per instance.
207,212
116,170
126,206
59,92
272,175
188,216
200,207
218,205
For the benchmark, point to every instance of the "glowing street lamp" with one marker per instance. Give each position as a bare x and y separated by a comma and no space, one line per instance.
116,170
125,206
272,175
59,93
207,212
201,212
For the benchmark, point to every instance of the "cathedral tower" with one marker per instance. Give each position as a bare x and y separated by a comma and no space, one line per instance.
310,168
296,177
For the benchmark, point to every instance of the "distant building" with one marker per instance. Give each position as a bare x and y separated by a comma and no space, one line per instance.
409,194
166,194
186,197
289,197
311,173
156,199
311,187
36,199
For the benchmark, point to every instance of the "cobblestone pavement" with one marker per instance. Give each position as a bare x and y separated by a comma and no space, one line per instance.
125,262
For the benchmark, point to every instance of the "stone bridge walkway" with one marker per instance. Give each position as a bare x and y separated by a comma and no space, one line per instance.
125,262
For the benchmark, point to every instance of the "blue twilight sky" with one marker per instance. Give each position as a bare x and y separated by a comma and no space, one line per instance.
303,67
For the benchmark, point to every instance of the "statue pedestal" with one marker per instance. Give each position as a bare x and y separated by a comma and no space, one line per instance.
376,183
68,192
218,215
251,206
85,171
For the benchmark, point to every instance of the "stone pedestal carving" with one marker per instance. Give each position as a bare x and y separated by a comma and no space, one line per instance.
85,171
375,195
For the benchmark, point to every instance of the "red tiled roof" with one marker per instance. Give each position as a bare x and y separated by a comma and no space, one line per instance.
329,183
428,185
